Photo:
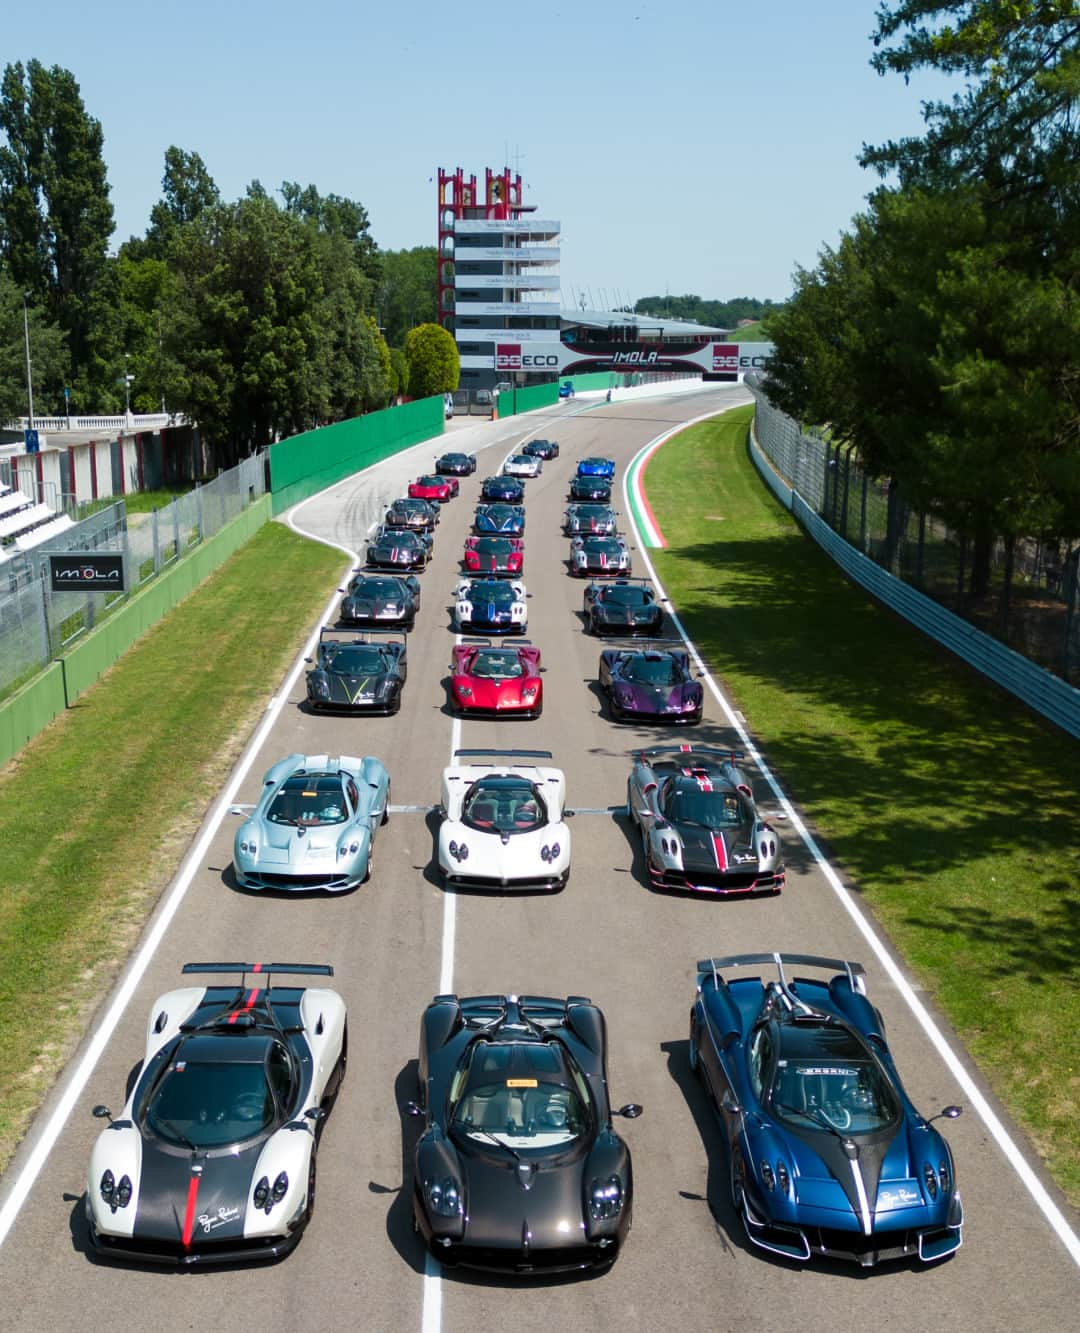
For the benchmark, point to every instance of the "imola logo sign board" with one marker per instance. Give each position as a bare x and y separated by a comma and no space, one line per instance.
508,356
725,356
85,571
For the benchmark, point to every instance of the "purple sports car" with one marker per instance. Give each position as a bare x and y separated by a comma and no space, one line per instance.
650,683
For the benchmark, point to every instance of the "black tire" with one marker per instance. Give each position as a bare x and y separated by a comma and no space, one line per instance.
338,1077
737,1177
538,709
693,1058
370,862
310,1207
386,808
629,806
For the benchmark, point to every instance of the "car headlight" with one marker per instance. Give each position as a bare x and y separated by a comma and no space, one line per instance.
443,1197
606,1198
249,846
688,705
281,1184
320,685
550,853
529,692
465,691
459,851
944,1176
261,1194
931,1180
783,1176
107,1187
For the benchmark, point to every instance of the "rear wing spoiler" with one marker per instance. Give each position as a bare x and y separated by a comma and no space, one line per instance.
708,751
645,644
365,635
855,971
260,969
487,643
503,754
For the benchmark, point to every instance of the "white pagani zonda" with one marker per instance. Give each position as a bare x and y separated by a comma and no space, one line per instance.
504,822
212,1160
490,606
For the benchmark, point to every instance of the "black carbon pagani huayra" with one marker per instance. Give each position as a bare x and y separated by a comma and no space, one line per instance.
519,1169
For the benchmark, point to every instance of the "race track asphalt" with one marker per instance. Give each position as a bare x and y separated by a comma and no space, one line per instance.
687,1263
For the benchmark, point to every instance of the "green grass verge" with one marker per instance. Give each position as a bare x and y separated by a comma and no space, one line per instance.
950,807
97,810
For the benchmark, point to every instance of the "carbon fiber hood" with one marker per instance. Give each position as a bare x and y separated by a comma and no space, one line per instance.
214,1201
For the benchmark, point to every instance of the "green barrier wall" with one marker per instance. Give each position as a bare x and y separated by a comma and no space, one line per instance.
307,463
606,379
24,714
512,402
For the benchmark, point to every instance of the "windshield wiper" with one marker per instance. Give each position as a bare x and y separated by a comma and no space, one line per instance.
182,1138
816,1117
486,1134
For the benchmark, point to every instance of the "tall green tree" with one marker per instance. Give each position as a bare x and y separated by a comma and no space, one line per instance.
48,357
187,188
57,216
406,291
434,363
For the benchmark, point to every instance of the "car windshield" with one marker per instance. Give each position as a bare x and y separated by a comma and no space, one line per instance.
523,459
503,805
618,596
652,671
493,546
592,514
209,1105
825,1076
500,514
309,800
523,1094
498,664
499,594
352,659
385,588
602,546
453,460
431,481
402,539
686,804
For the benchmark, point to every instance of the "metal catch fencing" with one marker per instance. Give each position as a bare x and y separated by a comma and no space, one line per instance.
1032,601
37,624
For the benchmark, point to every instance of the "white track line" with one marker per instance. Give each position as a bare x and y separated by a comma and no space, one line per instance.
1004,1140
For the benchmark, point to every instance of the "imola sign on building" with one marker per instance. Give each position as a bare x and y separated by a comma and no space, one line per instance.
85,571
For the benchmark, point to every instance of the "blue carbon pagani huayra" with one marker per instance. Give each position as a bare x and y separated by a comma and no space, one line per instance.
827,1155
519,1170
212,1159
314,825
358,671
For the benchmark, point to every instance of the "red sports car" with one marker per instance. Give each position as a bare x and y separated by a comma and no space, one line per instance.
499,681
436,489
495,557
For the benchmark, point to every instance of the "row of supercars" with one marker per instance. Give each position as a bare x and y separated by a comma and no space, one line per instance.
517,1165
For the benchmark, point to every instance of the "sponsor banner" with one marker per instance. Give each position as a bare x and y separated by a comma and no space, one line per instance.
508,356
84,571
725,356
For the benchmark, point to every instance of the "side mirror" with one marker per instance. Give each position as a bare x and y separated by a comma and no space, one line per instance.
413,1109
102,1113
946,1113
309,659
631,1110
315,1114
729,1104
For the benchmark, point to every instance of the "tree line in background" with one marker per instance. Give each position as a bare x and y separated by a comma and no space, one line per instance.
941,337
718,314
257,318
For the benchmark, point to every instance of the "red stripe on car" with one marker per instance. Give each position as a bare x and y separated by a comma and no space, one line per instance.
189,1211
719,851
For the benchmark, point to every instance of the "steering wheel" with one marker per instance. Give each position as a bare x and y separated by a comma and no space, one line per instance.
837,1115
248,1107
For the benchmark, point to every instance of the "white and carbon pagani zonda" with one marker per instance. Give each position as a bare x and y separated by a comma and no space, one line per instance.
213,1158
490,606
504,822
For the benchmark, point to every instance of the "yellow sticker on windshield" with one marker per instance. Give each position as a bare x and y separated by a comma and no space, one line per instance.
521,1083
309,793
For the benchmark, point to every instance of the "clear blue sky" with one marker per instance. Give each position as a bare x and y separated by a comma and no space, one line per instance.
687,147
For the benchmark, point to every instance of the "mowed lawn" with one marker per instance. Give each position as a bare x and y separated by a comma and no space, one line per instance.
97,811
951,809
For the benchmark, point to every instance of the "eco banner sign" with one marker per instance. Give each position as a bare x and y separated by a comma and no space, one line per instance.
85,571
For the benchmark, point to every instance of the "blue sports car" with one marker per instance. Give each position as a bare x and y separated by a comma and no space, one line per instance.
509,489
505,519
596,467
827,1155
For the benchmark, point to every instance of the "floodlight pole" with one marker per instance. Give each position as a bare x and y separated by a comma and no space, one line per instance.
29,381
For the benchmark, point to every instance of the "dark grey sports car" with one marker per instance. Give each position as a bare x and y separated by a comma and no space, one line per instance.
381,599
519,1169
412,513
398,548
455,465
623,607
356,672
597,489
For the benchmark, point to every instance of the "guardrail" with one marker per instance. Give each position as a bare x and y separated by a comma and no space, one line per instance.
1039,689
